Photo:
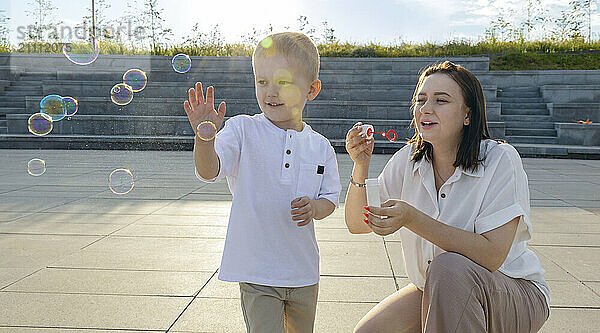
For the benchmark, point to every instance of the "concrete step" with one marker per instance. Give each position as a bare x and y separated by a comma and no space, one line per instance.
526,118
523,105
532,139
518,94
373,92
141,106
530,132
521,100
3,130
529,124
211,77
13,104
524,111
19,93
13,110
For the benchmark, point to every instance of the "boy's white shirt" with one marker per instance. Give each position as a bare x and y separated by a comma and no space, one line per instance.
263,244
476,201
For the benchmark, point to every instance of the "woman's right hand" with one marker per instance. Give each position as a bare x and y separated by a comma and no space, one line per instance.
359,148
199,109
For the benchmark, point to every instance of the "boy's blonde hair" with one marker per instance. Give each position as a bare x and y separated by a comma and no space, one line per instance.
293,46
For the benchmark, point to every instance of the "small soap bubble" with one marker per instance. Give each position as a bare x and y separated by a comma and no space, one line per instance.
181,63
71,106
81,49
39,124
120,181
121,94
136,79
36,167
53,106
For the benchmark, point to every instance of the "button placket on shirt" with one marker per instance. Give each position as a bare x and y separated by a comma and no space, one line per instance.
287,164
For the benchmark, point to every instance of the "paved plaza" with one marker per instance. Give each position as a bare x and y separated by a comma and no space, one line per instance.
74,256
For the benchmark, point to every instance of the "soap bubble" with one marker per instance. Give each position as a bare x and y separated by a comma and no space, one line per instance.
80,49
71,105
53,106
120,181
181,63
121,94
36,167
136,79
39,124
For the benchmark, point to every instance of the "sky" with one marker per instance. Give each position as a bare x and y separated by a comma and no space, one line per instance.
357,21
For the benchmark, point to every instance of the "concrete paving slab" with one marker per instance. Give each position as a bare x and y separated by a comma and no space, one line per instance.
10,216
19,251
396,257
31,204
148,193
154,252
340,316
367,258
112,282
193,231
549,203
581,239
572,294
553,271
12,275
182,208
120,205
208,220
211,315
594,286
115,259
343,235
572,320
29,226
581,262
199,197
87,218
584,203
90,311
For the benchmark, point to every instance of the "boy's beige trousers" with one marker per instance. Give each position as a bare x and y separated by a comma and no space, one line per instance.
279,309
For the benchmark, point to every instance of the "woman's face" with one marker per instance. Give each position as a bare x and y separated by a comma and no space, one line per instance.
440,111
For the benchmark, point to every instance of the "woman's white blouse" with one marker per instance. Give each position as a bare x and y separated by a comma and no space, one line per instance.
478,201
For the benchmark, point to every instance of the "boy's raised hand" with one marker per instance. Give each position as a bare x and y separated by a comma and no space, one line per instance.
199,109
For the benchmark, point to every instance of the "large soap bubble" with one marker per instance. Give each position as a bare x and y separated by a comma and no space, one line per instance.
181,63
121,94
53,106
39,124
136,79
81,48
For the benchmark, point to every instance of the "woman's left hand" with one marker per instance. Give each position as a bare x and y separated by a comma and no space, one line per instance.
391,216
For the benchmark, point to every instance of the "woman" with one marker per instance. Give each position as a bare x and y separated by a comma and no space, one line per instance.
460,202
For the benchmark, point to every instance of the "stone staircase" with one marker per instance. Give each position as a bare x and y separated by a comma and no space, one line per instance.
371,90
526,116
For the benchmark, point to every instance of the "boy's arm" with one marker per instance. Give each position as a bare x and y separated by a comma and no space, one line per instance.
323,208
206,159
198,110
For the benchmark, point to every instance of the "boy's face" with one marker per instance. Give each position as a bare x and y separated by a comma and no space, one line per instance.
282,90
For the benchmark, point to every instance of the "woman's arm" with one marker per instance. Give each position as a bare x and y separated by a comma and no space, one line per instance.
360,150
488,249
356,199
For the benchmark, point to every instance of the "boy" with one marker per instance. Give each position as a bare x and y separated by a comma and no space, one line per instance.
282,174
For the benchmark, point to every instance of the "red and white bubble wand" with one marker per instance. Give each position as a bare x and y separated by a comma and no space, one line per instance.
367,131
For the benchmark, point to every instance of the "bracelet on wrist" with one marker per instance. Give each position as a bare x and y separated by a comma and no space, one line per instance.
355,183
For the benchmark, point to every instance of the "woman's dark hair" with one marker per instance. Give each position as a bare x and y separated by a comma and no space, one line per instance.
467,156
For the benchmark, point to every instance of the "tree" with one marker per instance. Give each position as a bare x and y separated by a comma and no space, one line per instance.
4,28
328,34
568,25
303,26
42,14
103,31
256,35
584,7
535,13
158,33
